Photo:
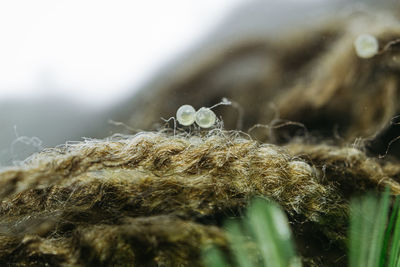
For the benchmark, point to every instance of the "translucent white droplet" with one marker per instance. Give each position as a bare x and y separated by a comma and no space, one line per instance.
205,117
186,115
366,46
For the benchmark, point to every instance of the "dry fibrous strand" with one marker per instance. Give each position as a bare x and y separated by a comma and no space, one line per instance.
132,242
104,201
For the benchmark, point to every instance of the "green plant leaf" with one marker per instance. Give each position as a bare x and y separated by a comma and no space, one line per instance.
261,238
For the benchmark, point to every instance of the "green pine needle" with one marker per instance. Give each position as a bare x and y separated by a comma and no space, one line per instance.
394,256
374,240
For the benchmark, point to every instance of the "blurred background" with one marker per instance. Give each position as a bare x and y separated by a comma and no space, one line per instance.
64,64
68,67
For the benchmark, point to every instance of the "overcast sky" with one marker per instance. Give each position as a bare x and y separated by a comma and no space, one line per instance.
94,50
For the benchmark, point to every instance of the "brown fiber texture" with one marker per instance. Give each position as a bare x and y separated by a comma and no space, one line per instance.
158,197
156,200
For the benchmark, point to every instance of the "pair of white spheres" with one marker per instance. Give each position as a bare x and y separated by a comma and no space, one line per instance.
204,117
